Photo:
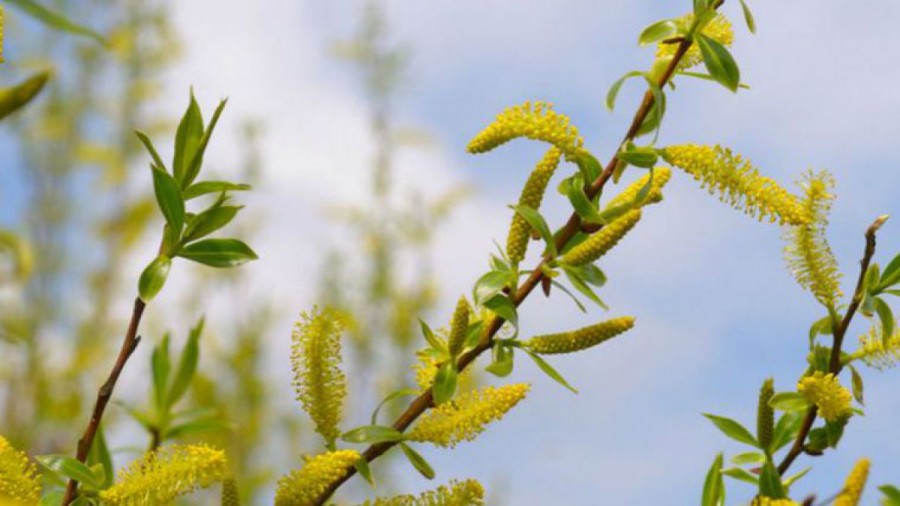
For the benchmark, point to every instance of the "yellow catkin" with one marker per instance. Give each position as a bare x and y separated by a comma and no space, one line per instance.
826,392
534,120
466,416
303,486
628,197
581,339
737,183
853,488
876,352
161,476
458,327
315,354
768,501
765,415
601,242
230,494
719,29
807,252
19,481
456,493
532,195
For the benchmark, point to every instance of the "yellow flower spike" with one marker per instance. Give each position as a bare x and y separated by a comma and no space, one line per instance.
765,415
737,183
315,354
456,493
719,29
532,195
826,392
853,488
537,121
160,476
19,481
466,416
768,501
581,339
601,242
302,486
628,197
458,327
807,252
876,352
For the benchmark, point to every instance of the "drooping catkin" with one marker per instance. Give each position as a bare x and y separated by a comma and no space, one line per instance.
456,493
765,415
162,475
807,252
466,416
315,354
537,121
532,195
877,352
303,486
459,327
601,242
737,183
827,393
230,494
853,487
629,196
718,29
581,339
19,481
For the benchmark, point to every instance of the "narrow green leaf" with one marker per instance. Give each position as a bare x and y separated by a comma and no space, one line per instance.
432,340
834,431
549,370
786,429
168,197
891,274
653,122
187,365
71,468
770,482
733,429
52,498
537,222
55,19
209,221
148,144
218,252
418,461
589,166
489,285
748,17
153,278
100,455
571,295
822,326
857,382
714,485
403,392
503,307
886,316
639,156
616,86
719,62
444,383
573,188
372,434
187,139
790,480
706,77
161,366
789,401
742,475
14,98
200,426
748,458
362,466
502,363
206,187
574,275
658,31
890,492
196,160
473,334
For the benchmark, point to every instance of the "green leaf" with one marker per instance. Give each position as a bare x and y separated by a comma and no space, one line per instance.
571,295
168,197
14,98
653,122
573,188
834,431
733,429
714,486
700,6
857,382
418,461
473,334
748,458
209,221
433,341
100,455
218,252
706,77
742,475
574,275
886,316
187,365
55,19
362,466
52,498
891,274
206,187
145,140
372,434
502,363
187,140
537,222
719,62
489,285
202,425
71,468
770,482
616,86
161,366
748,17
788,401
589,166
403,392
891,493
444,383
154,277
786,429
549,370
822,326
639,156
790,480
503,307
658,31
196,161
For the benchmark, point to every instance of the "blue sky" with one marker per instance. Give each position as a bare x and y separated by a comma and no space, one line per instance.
717,311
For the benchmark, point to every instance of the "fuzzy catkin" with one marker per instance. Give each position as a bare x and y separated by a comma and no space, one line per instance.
856,482
601,242
466,416
536,121
737,183
719,29
456,493
19,481
765,415
877,352
628,197
532,195
581,339
827,393
303,486
458,327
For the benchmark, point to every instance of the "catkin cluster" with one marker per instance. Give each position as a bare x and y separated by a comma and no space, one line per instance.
19,483
827,393
532,195
719,29
466,416
162,475
303,486
601,242
853,488
457,493
581,339
629,196
877,352
737,183
537,121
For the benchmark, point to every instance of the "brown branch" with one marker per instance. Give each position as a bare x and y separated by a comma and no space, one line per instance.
838,334
129,344
424,401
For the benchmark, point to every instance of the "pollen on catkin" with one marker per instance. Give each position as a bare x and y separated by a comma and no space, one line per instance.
466,416
532,195
459,327
581,339
456,493
719,29
629,195
315,354
19,481
807,252
877,352
534,120
856,482
765,415
827,393
162,475
303,486
737,183
601,242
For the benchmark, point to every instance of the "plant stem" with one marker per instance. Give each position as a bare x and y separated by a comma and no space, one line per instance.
838,334
129,344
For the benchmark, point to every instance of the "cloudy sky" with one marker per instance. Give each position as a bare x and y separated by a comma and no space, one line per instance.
717,311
